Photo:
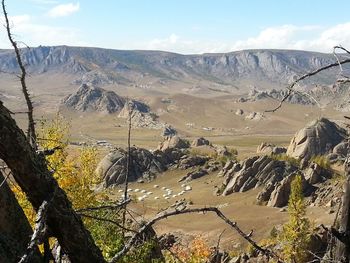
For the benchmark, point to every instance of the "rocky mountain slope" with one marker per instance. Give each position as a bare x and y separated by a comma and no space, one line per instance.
93,99
225,71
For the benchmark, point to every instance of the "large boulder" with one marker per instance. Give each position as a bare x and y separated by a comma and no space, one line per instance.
317,138
200,142
193,175
173,142
269,148
340,152
112,168
280,195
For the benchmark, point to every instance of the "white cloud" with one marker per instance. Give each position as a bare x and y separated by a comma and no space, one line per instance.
308,37
64,10
33,34
175,43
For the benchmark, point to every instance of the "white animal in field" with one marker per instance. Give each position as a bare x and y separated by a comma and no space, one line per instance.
188,188
141,198
174,196
156,198
137,190
163,188
143,191
120,190
155,186
150,193
167,197
183,185
129,190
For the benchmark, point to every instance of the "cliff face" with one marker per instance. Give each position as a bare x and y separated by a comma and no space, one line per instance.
254,67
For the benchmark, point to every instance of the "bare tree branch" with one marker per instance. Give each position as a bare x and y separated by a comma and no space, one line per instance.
31,135
164,215
128,162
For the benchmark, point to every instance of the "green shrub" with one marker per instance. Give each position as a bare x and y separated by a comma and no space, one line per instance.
322,161
284,157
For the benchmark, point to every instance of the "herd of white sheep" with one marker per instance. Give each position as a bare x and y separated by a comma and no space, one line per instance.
168,193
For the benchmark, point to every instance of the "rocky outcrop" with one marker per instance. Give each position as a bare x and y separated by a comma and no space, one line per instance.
295,98
169,131
230,167
254,172
280,194
200,142
141,117
94,99
193,175
315,174
255,116
339,153
144,164
317,138
173,142
188,161
269,148
274,178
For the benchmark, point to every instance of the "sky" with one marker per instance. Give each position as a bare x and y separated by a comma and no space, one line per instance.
181,26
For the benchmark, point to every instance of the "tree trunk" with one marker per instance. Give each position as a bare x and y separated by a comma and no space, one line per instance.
30,172
15,230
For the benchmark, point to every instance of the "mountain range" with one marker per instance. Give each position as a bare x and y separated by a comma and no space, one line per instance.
222,72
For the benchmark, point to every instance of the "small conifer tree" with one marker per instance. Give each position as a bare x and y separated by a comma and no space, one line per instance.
296,233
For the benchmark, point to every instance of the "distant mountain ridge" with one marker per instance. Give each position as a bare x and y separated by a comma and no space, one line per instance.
264,68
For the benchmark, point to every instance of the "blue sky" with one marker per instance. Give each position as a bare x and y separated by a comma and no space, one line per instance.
183,26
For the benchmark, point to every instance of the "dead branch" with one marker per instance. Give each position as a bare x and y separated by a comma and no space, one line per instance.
342,48
312,73
31,135
39,233
128,162
267,252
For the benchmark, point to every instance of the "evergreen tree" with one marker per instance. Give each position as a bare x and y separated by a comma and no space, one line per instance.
296,234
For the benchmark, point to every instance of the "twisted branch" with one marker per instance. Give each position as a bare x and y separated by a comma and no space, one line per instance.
267,252
31,136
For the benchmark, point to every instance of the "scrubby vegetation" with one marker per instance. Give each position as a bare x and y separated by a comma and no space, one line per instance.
286,158
322,161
